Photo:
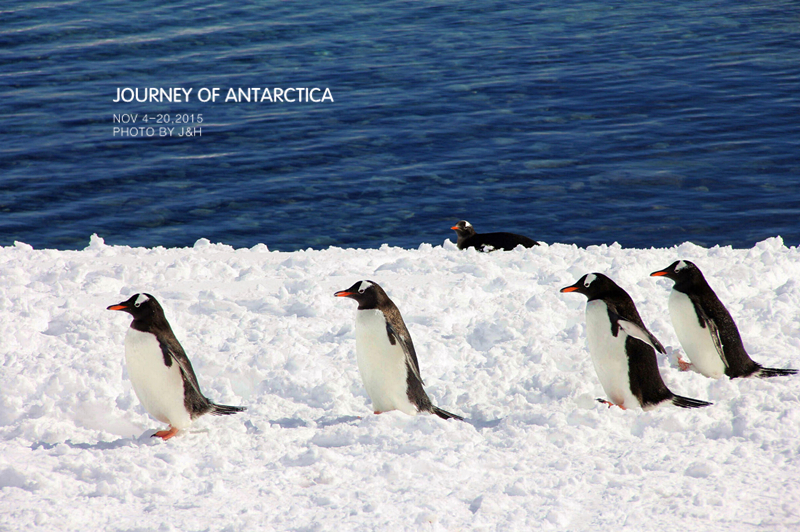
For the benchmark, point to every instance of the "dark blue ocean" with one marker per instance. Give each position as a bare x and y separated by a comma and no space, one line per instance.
587,122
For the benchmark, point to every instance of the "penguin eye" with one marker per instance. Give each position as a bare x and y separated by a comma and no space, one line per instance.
137,305
361,291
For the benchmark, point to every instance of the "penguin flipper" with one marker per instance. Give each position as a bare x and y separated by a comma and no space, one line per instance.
174,351
774,372
224,410
686,402
640,333
404,339
201,402
707,323
444,414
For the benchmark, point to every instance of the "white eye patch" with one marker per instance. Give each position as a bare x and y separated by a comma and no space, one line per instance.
363,286
589,280
467,224
680,266
141,299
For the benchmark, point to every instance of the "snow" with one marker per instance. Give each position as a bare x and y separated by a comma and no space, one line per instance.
496,343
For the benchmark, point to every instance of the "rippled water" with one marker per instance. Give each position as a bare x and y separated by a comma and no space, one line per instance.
589,122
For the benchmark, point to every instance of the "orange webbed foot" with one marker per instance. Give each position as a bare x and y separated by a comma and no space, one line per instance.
377,412
166,434
610,404
684,365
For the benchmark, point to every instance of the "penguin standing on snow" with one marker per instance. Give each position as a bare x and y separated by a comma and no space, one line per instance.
468,238
386,358
160,371
705,328
623,350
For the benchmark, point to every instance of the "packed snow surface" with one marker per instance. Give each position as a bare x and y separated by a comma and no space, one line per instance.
496,341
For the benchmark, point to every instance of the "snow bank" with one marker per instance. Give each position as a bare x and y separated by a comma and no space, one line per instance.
496,341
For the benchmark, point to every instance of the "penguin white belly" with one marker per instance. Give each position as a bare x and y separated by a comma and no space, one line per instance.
158,387
608,355
696,341
381,364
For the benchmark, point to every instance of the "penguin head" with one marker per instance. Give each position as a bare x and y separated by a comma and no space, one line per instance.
593,286
140,306
463,229
680,271
368,294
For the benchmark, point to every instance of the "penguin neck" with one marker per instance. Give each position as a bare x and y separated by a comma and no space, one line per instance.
694,283
152,325
464,235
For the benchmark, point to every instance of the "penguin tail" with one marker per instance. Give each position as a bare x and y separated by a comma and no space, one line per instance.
686,402
224,410
444,414
774,372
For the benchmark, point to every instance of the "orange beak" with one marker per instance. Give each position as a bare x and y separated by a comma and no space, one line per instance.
568,289
454,227
117,307
343,293
658,274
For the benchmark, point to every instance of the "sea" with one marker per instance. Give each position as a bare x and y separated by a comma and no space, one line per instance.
361,123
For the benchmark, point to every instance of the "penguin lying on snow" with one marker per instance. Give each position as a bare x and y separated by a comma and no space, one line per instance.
468,238
160,371
623,350
705,328
385,353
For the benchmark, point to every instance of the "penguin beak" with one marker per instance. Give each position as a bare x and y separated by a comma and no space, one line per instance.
572,288
454,228
343,293
659,273
117,307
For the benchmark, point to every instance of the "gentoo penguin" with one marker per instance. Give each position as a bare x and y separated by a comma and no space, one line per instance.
385,353
160,371
705,328
623,350
468,238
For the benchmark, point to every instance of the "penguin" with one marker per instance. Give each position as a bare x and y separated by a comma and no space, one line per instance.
468,238
160,371
623,350
705,328
385,353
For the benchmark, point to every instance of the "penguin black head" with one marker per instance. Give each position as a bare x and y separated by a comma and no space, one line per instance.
368,294
594,286
141,306
681,271
463,229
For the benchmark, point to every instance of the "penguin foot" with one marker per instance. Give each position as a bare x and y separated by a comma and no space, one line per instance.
377,412
610,404
166,434
683,365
